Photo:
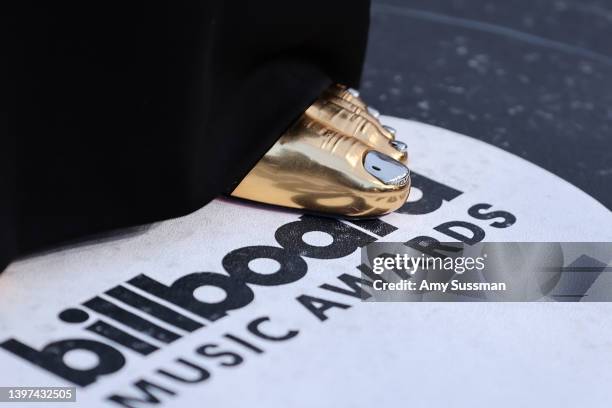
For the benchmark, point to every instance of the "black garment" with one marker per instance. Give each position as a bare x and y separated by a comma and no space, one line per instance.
138,113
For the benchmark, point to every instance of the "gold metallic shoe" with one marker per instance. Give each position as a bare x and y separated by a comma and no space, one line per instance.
336,159
349,119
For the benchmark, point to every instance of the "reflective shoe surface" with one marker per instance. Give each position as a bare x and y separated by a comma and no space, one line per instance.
336,159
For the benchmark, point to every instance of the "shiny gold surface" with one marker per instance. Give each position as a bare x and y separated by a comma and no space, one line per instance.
339,95
318,164
356,124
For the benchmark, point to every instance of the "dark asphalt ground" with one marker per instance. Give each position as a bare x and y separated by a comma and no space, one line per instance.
531,77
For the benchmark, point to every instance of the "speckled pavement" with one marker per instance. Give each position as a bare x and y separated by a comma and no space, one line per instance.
532,77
